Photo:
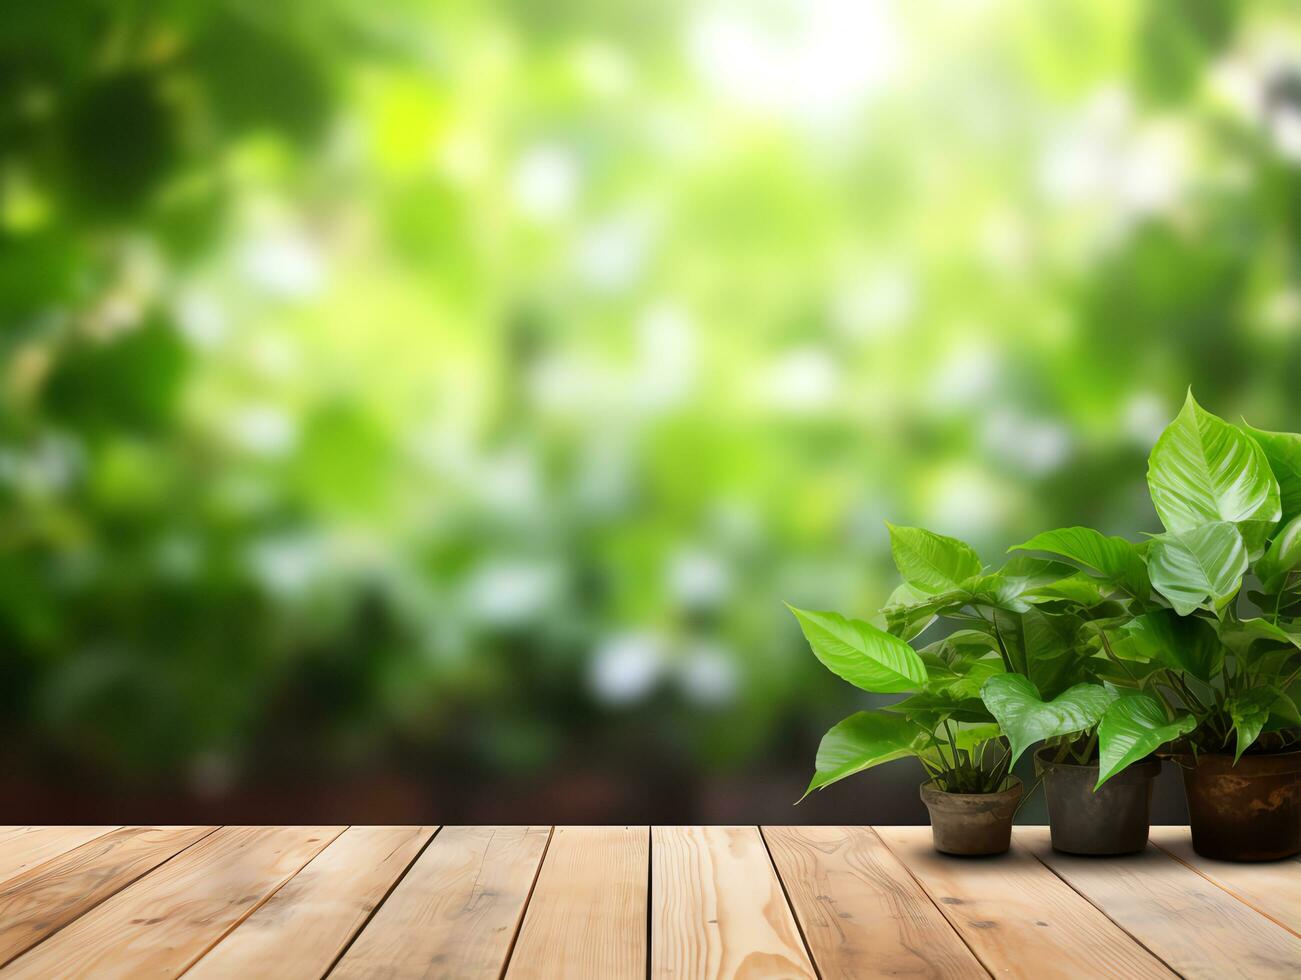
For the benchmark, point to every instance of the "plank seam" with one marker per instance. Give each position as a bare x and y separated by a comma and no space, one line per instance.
528,900
148,871
378,905
1223,887
988,968
795,916
257,905
650,896
1100,909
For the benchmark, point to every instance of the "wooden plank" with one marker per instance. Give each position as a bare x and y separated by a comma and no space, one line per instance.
587,917
45,898
163,923
22,848
718,907
456,911
300,931
1197,928
1272,888
860,910
1019,918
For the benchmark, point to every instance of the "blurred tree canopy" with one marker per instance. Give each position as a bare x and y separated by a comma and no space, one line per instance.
470,382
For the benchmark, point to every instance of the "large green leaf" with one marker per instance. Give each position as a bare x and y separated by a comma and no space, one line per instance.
1009,587
1203,470
1043,647
1283,713
960,646
1114,558
965,680
860,653
1134,727
931,562
1186,643
1026,718
1198,567
1250,710
1283,452
1239,635
930,709
1127,674
1080,589
862,741
1281,558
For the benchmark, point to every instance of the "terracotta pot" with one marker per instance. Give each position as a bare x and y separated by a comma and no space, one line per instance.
1247,812
1114,820
972,823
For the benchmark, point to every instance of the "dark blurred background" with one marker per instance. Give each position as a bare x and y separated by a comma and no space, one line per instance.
419,410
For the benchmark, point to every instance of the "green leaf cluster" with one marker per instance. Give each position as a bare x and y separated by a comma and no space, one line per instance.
1105,649
1195,659
1026,614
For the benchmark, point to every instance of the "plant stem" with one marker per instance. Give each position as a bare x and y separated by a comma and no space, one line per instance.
1088,747
1179,685
953,748
1002,647
944,764
1106,645
999,772
1026,797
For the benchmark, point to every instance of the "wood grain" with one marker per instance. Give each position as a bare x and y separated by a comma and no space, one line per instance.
300,931
22,848
1272,888
456,911
718,909
1194,926
160,925
587,917
527,902
860,910
1019,918
45,898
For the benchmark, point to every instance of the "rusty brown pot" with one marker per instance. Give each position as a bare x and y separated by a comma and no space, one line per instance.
972,823
1245,812
1110,820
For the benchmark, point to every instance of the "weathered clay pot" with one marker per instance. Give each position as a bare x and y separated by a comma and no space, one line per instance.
1247,812
1114,820
972,823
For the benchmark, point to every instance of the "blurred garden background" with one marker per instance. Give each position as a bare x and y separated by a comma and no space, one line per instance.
421,410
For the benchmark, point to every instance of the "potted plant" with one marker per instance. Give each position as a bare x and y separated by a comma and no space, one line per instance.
1224,664
943,724
1189,664
970,792
1084,816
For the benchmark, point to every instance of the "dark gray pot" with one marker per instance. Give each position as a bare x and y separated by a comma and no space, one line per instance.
1114,820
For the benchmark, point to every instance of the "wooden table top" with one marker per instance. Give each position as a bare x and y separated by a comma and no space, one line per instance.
615,902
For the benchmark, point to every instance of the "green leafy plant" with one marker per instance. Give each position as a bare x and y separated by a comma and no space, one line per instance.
1229,568
1045,621
1024,618
1176,651
942,722
1093,721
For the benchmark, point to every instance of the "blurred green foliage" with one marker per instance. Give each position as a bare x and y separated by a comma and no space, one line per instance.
469,383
